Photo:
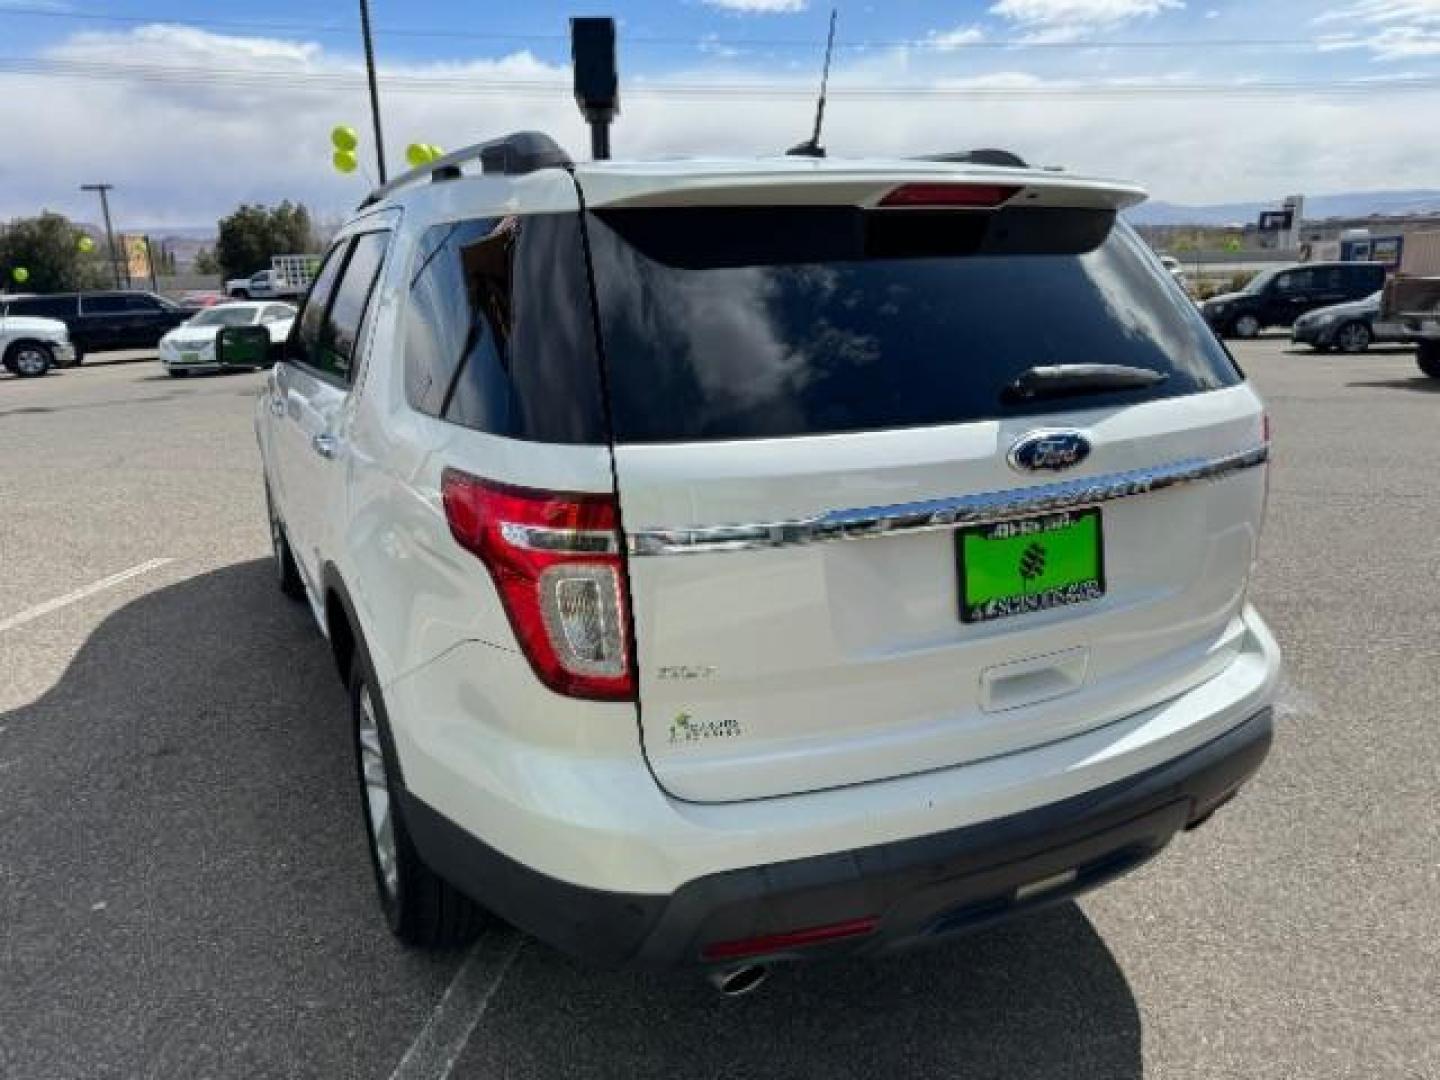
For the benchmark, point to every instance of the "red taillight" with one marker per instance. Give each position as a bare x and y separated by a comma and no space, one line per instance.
555,559
774,943
981,196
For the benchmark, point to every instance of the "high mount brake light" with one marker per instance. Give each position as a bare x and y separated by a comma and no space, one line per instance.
975,196
555,559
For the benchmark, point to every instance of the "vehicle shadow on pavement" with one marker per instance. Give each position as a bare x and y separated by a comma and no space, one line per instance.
1041,997
1420,384
183,887
187,892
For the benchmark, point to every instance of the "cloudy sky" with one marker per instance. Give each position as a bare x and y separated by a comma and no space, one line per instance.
189,109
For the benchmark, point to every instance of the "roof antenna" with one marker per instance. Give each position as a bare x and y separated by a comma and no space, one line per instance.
811,147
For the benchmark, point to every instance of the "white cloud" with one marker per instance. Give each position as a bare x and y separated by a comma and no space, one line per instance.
1389,29
945,40
1058,20
1384,11
760,7
251,122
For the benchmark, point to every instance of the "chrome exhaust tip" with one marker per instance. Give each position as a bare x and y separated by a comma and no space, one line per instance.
738,981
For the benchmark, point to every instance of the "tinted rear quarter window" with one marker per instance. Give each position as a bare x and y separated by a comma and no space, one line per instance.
102,305
499,332
734,323
44,307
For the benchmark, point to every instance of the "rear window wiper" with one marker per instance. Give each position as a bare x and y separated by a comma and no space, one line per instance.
1077,380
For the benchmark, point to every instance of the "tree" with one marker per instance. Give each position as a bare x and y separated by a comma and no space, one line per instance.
253,234
205,262
48,247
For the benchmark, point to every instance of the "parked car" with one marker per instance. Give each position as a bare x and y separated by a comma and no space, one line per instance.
30,347
102,321
190,347
199,299
727,567
1279,296
1351,328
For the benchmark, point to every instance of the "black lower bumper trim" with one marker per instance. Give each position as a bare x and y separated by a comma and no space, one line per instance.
921,889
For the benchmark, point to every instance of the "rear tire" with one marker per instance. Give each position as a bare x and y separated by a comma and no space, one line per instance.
176,373
29,359
1245,327
1353,338
1427,355
420,907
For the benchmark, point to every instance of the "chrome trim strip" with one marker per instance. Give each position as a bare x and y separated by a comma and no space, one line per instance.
961,510
560,541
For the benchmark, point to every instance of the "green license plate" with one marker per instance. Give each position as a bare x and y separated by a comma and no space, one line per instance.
189,357
1034,564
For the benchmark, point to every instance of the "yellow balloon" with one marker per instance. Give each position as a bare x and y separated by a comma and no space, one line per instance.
86,245
20,274
344,161
435,152
343,137
417,154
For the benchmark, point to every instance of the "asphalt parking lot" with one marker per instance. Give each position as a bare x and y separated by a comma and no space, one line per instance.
185,887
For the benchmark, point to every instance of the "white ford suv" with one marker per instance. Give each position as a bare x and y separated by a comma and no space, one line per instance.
753,561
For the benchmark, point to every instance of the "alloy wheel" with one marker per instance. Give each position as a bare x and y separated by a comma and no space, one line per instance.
30,361
1353,338
378,806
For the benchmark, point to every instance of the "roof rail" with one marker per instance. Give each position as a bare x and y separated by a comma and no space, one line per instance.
1003,158
510,155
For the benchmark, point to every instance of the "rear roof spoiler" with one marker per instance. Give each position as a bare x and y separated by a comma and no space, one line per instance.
863,186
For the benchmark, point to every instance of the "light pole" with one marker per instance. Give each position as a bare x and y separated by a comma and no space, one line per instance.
104,190
374,91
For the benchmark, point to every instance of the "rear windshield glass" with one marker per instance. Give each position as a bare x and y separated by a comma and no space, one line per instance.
738,323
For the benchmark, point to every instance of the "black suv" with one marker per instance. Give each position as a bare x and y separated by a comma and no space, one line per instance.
1278,297
100,321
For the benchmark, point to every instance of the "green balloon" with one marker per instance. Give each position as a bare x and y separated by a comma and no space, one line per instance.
417,154
343,137
85,244
344,161
20,274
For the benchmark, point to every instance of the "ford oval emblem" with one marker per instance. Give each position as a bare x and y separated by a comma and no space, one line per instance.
1049,451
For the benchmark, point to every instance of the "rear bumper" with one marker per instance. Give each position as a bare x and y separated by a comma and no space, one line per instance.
916,891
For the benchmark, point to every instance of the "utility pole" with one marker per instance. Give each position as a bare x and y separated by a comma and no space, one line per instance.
374,90
104,190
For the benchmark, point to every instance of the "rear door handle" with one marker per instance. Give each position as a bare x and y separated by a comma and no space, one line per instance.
326,445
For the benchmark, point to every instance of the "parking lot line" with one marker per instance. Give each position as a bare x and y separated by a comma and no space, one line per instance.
33,613
435,1050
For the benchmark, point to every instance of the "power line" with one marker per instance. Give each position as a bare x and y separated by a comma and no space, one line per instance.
279,79
933,44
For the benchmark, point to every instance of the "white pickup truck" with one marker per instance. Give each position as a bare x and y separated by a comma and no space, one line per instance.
288,278
30,347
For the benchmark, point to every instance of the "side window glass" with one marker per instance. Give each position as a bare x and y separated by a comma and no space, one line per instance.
444,321
312,314
499,331
103,305
140,303
340,332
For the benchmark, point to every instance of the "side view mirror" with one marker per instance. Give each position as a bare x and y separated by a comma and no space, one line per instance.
244,347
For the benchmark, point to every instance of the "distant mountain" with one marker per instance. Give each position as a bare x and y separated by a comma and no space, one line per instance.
1349,205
